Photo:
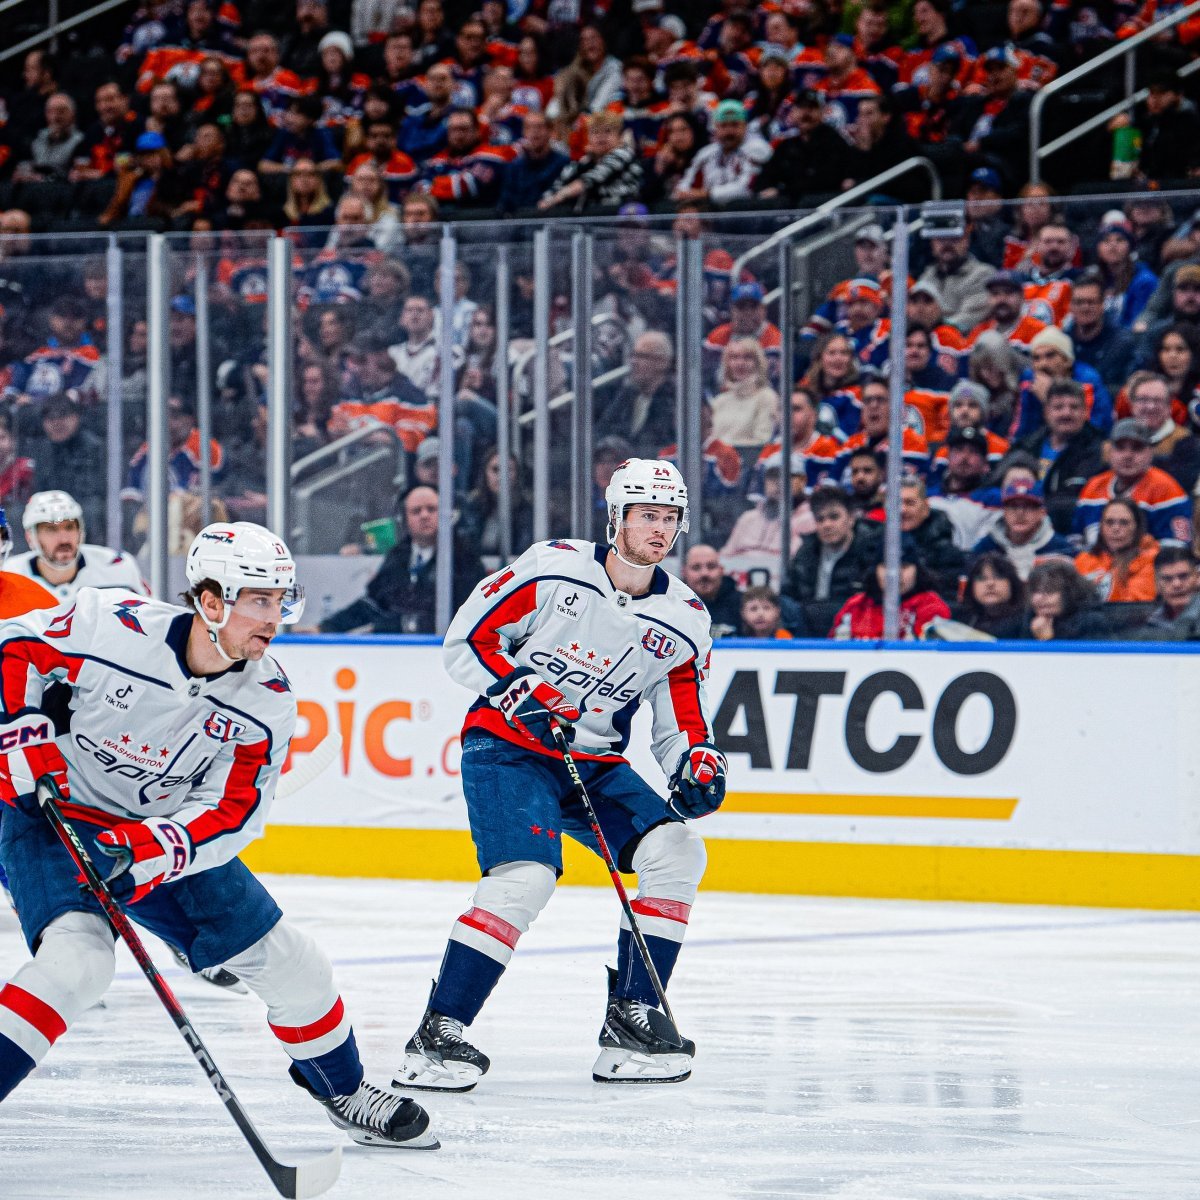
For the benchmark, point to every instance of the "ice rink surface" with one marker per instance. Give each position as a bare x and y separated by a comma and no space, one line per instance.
847,1048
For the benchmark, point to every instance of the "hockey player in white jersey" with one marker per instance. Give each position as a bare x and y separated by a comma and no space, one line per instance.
60,559
178,726
582,635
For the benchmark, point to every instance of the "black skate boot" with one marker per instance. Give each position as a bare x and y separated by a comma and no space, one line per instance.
374,1117
217,976
637,1044
438,1059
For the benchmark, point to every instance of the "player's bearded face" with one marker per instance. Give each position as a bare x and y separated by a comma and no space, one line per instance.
647,532
254,621
59,541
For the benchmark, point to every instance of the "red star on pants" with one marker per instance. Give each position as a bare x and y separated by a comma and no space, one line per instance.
551,834
535,829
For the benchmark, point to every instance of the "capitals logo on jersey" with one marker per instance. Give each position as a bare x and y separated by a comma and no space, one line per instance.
220,728
126,614
279,684
60,627
560,545
658,643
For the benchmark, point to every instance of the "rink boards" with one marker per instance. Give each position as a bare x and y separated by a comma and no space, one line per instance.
1067,775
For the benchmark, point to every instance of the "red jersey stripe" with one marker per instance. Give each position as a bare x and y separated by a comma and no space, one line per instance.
684,684
240,796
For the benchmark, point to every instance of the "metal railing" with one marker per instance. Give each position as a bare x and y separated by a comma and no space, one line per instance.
1124,49
53,25
858,192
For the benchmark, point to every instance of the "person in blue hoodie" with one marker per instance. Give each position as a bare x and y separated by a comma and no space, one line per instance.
1128,282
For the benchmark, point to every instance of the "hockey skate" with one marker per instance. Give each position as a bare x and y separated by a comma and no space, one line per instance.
637,1044
217,976
374,1117
438,1059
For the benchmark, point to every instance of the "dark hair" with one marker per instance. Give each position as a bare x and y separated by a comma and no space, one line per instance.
762,593
924,582
1168,556
1065,387
865,452
1090,278
1058,575
681,72
1139,528
828,495
1002,565
639,62
370,343
308,106
1192,340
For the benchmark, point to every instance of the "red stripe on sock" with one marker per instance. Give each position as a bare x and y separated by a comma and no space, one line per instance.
672,910
489,923
294,1034
34,1011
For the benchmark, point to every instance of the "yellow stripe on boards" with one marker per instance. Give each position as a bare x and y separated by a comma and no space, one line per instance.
975,808
989,874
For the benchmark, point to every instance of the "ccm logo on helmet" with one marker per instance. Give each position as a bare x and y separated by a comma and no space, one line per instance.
36,733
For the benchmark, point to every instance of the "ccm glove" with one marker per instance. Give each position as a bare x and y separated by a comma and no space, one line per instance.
148,853
27,752
528,703
698,785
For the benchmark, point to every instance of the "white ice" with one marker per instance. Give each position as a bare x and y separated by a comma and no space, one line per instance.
847,1048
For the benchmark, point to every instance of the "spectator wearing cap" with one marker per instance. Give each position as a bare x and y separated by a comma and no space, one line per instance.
1176,616
1021,530
67,456
67,364
994,125
1036,51
882,141
746,406
1005,315
1100,342
1120,563
923,306
844,84
1176,449
759,530
932,34
537,165
147,184
861,618
769,104
960,279
703,573
966,464
926,386
871,261
468,172
747,319
1128,282
643,405
967,409
1167,506
1052,355
725,169
830,566
875,400
862,302
762,614
1068,450
815,160
301,137
608,173
986,216
931,102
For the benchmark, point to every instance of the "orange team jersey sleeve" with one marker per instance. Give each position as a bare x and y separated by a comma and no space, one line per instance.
19,595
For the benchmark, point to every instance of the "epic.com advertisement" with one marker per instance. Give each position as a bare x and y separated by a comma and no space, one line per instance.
1054,751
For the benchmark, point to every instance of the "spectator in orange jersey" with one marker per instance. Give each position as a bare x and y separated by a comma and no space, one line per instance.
1005,296
1121,562
926,386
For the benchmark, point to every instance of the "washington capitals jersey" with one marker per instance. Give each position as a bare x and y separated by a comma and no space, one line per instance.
144,737
98,567
555,611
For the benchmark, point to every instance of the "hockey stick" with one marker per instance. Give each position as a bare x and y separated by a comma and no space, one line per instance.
322,755
297,1183
606,854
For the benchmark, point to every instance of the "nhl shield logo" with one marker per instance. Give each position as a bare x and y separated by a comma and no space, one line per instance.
658,643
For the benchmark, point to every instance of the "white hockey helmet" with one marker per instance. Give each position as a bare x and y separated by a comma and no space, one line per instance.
48,508
645,481
240,554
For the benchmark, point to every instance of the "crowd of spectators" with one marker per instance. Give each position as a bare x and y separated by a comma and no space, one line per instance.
1051,365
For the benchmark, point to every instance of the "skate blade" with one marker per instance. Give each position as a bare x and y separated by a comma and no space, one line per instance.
419,1074
424,1141
627,1066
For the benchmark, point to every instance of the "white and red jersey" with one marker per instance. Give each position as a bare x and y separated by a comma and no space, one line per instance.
144,737
98,567
556,611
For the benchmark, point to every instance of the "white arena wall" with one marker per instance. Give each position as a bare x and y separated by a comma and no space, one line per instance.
1065,775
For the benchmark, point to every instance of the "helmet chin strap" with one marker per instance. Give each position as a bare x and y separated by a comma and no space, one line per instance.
213,628
612,532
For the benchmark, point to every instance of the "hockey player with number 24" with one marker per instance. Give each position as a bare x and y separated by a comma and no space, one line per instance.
578,635
178,727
